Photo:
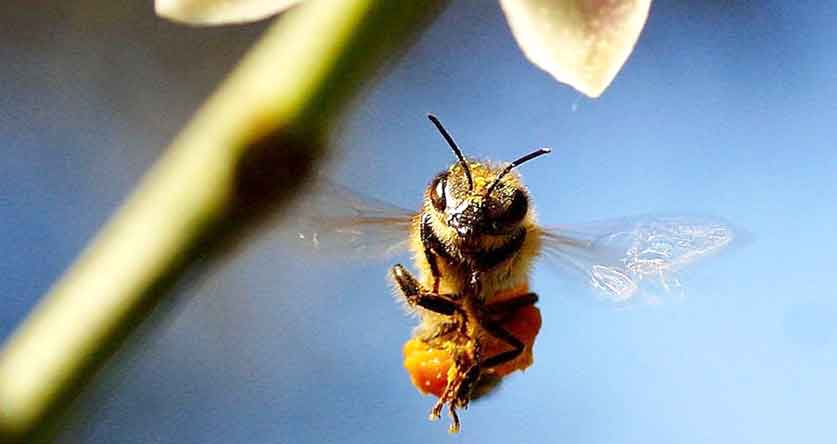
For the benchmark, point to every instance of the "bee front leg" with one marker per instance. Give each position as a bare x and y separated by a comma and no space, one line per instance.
429,240
416,295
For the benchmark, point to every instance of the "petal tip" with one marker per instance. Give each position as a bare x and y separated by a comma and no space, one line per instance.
581,43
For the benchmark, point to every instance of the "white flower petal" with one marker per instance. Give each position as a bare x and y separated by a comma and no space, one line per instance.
580,42
216,12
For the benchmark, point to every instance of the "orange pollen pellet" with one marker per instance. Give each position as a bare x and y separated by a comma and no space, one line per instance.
428,367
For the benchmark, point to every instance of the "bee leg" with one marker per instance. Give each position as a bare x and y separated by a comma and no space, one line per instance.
466,386
454,417
457,395
434,268
454,420
418,296
498,312
442,330
429,241
501,333
508,306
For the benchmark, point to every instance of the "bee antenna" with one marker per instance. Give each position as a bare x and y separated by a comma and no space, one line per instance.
526,158
455,149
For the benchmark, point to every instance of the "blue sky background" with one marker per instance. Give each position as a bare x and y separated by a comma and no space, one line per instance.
724,109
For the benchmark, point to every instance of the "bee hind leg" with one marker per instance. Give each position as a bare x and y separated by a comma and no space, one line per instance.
496,313
443,330
501,333
503,309
457,395
436,412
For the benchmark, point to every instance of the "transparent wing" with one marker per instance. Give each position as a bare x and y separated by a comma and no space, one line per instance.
641,255
332,219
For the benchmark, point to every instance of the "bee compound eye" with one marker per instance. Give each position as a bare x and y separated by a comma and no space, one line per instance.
437,193
517,208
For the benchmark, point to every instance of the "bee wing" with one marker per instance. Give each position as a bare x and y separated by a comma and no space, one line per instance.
625,258
332,219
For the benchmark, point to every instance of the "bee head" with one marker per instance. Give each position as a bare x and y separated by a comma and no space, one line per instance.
476,198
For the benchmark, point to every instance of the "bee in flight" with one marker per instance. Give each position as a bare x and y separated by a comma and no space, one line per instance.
474,242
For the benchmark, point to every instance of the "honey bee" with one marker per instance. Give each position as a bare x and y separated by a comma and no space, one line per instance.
474,241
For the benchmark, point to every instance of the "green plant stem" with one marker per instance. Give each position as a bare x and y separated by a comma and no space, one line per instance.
242,155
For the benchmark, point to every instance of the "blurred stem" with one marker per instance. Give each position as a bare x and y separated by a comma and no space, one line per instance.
242,155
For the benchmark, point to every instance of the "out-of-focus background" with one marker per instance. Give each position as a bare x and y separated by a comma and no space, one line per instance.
724,109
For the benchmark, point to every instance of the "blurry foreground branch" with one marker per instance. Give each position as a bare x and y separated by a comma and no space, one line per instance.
242,155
